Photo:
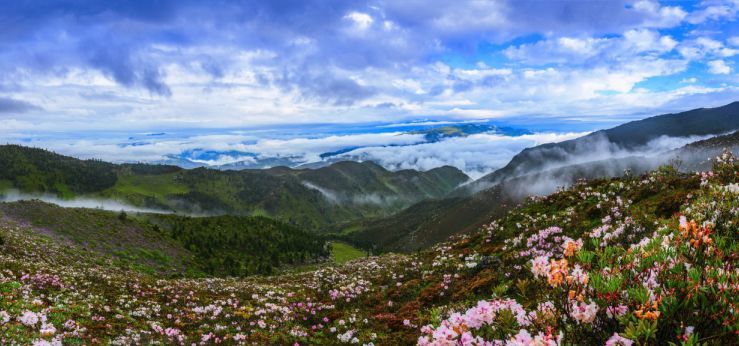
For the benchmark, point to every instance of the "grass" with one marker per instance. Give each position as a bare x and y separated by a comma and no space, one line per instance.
143,189
149,185
351,229
343,252
5,185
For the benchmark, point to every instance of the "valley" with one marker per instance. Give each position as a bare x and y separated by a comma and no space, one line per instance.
355,253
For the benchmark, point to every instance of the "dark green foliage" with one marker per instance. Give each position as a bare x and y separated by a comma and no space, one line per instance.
38,170
175,245
197,202
356,190
149,169
239,246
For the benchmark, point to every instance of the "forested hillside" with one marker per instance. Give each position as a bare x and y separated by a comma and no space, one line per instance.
38,170
315,200
430,221
173,245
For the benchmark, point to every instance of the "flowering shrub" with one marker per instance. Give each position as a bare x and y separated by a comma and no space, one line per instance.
609,262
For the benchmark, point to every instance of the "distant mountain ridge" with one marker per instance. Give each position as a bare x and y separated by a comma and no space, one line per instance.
238,160
366,204
437,134
312,199
631,136
541,169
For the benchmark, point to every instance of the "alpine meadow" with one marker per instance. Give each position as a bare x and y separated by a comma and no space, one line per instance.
325,172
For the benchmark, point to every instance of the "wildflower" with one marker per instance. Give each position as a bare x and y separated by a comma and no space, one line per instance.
617,340
646,313
687,333
570,246
557,272
578,275
4,317
584,313
47,330
616,311
540,266
29,318
523,338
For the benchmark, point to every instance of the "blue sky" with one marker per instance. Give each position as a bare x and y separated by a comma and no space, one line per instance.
73,69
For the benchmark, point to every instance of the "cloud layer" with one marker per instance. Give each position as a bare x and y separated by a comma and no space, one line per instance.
476,154
97,65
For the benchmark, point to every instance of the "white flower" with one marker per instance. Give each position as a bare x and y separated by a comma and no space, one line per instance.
4,317
28,318
47,329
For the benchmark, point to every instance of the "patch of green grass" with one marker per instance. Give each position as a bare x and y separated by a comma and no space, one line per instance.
343,252
5,185
148,185
351,229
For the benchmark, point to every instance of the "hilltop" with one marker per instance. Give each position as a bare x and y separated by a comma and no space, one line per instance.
314,200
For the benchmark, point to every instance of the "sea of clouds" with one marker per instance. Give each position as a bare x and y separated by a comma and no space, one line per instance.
476,155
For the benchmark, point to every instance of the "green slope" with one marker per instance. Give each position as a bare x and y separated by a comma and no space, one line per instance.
173,244
315,200
431,221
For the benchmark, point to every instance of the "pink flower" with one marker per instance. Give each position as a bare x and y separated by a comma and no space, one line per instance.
28,318
4,317
579,275
584,313
540,266
523,338
683,222
617,340
616,311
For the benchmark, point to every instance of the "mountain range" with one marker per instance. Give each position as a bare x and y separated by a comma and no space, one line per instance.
543,169
366,204
311,199
426,133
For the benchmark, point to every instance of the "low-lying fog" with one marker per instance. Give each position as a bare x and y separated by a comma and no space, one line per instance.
92,203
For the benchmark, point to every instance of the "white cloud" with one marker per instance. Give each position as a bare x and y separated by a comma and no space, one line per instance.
395,50
660,16
713,12
573,50
117,148
361,21
705,47
718,67
477,155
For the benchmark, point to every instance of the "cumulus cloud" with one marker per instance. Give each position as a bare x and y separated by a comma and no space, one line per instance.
714,10
718,67
186,64
605,50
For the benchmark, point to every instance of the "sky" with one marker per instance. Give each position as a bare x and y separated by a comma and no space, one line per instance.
84,77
